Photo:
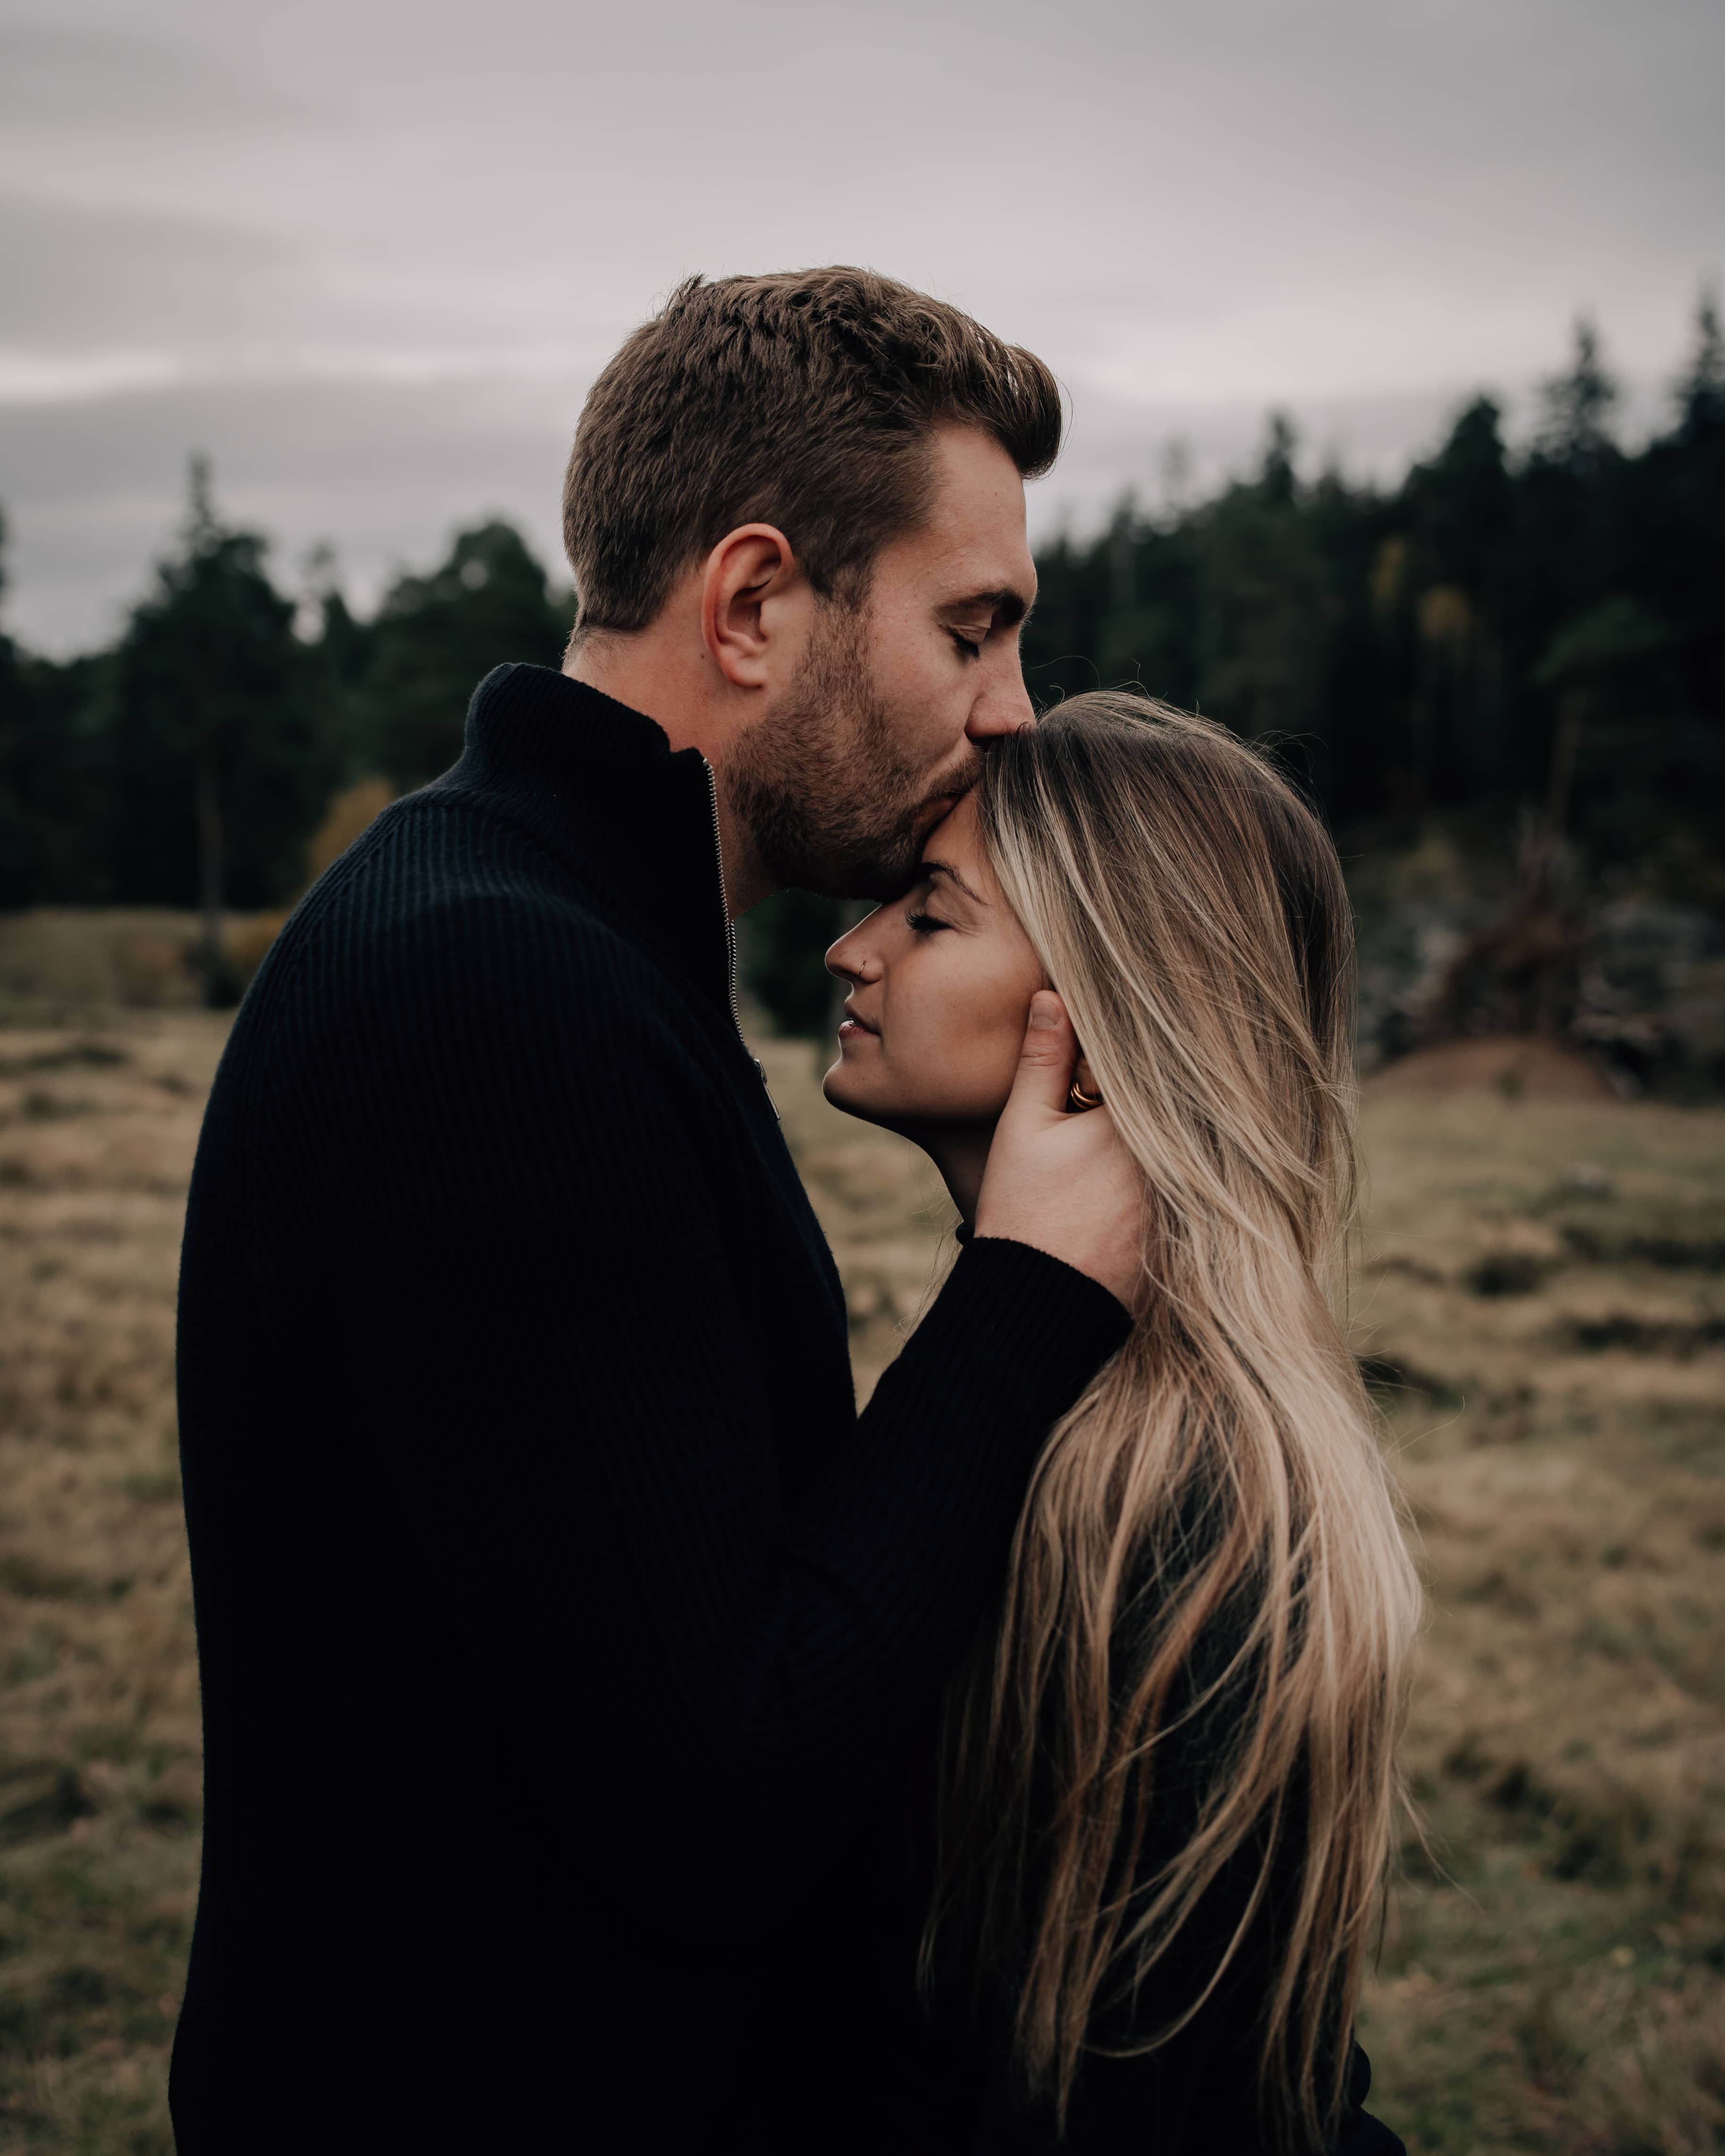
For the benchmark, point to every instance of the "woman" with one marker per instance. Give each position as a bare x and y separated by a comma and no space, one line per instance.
1167,1782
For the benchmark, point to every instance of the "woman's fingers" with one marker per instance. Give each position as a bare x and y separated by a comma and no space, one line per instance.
1063,1184
1050,1048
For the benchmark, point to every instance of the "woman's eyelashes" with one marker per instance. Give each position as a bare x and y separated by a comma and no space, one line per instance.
921,923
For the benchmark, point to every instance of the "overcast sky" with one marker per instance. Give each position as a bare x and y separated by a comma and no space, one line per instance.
368,254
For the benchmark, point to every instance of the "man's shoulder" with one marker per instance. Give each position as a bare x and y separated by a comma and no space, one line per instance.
446,994
434,849
440,889
444,948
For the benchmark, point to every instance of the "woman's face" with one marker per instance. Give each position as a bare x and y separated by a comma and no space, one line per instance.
941,985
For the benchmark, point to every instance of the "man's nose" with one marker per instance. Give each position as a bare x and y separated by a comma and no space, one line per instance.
1003,707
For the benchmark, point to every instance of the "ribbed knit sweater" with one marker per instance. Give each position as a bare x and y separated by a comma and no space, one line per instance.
564,1631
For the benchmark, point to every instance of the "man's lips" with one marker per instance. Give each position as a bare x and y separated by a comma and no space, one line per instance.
939,806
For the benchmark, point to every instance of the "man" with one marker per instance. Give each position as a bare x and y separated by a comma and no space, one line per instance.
564,1632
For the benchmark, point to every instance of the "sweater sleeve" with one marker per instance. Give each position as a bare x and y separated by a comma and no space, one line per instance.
548,1370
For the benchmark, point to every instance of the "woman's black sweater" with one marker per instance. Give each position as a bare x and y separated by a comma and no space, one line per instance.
564,1632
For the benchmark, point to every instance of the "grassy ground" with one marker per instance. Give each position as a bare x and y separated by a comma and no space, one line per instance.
1541,1296
98,1741
1543,1290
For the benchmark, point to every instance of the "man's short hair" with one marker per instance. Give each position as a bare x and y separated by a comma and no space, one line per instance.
808,400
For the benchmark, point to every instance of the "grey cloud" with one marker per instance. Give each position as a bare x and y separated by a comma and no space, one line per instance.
92,492
72,276
1191,208
98,77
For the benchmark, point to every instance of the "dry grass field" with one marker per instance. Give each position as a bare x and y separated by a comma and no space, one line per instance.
1542,1297
98,1739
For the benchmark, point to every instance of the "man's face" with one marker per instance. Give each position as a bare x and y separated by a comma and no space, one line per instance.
880,734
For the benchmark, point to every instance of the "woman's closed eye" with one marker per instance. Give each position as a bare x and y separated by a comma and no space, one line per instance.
921,923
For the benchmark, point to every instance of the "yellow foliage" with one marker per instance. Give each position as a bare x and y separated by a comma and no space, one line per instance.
246,941
1446,614
1387,569
347,815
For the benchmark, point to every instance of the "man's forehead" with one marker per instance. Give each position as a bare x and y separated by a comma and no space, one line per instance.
969,549
970,578
985,568
976,486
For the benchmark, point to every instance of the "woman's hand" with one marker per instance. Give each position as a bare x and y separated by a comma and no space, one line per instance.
1062,1182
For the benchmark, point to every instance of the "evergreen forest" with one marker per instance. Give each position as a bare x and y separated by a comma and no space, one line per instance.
1521,646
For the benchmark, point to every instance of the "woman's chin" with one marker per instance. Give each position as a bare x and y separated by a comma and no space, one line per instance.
840,1090
843,1091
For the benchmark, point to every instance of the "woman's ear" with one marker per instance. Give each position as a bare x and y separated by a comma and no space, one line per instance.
1085,1093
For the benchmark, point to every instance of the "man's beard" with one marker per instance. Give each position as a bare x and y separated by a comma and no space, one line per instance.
829,801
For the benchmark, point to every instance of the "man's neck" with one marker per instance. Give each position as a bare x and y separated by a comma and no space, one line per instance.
645,673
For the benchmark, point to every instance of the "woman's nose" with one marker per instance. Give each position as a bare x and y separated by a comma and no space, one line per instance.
851,962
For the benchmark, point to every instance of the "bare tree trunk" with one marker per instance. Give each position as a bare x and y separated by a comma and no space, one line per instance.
209,874
1543,840
1571,711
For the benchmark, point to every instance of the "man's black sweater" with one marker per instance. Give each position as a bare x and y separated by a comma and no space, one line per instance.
563,1629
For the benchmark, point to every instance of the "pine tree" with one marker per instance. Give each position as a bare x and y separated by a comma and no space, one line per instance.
437,637
1578,403
17,849
1701,392
221,765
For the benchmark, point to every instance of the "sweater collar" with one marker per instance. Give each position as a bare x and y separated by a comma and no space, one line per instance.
599,786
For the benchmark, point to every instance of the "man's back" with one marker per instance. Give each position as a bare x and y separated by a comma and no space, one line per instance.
560,1629
398,1844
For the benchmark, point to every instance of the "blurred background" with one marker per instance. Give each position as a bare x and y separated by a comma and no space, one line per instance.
1392,338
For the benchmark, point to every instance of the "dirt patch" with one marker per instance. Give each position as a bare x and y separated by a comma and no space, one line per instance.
1516,1066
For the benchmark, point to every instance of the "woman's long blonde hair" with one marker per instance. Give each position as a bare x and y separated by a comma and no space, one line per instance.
1211,1548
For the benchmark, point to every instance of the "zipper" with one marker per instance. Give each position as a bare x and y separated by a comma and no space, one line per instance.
712,797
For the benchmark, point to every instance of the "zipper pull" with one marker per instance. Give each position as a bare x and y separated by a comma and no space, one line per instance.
760,1073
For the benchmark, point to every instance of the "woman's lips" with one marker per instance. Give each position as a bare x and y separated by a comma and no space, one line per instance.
850,1025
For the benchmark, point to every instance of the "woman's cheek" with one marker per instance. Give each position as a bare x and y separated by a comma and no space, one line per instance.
992,1039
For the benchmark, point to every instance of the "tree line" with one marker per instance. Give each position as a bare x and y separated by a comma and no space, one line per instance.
205,744
1507,634
1432,648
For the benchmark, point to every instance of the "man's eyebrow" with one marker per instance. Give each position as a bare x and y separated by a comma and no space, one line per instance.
928,870
1006,606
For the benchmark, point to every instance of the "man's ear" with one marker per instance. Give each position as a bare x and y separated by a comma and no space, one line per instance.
749,577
